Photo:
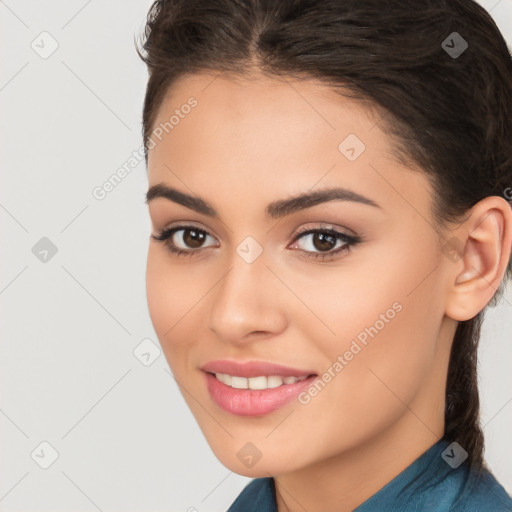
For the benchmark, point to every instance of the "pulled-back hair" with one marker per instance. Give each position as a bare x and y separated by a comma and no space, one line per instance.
450,114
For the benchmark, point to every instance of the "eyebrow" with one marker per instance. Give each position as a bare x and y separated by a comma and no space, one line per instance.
274,210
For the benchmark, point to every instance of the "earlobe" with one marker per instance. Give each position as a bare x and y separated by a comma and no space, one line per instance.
484,240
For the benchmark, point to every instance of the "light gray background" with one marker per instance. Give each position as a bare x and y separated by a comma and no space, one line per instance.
125,439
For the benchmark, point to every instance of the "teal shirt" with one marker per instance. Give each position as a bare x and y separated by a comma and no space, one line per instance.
430,483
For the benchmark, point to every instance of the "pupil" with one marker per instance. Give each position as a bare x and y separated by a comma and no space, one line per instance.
326,241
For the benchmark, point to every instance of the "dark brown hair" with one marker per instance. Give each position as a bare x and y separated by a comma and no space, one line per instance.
450,114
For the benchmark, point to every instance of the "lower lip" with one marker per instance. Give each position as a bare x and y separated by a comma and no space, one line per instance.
254,402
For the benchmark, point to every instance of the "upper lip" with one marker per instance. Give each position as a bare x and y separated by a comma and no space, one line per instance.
253,369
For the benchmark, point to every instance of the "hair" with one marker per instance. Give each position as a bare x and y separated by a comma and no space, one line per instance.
448,114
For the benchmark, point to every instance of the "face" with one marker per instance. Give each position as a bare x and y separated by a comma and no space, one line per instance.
346,292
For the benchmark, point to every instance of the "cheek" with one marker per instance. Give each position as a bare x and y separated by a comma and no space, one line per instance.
376,380
176,294
390,348
168,296
160,300
392,294
385,316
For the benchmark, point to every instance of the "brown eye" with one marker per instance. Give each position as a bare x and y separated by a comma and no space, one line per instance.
193,238
324,243
184,239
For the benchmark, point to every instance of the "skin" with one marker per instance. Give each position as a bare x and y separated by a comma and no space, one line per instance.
250,142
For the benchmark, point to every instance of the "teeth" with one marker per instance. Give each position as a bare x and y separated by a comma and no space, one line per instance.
257,382
239,382
274,381
262,382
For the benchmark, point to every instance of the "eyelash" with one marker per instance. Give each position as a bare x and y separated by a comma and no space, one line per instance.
349,241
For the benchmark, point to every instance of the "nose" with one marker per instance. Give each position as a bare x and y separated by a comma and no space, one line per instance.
248,302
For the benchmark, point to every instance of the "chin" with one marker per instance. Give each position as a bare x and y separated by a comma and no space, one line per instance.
247,461
259,470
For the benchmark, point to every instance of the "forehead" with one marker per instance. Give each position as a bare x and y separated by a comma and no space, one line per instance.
284,133
265,105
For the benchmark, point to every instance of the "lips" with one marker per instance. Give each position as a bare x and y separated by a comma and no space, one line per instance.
254,369
280,387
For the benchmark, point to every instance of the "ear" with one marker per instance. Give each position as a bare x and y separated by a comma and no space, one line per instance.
478,255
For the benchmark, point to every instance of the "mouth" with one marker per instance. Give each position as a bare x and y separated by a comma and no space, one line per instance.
254,369
254,388
259,382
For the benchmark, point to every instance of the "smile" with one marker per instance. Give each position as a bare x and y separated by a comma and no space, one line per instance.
259,382
255,396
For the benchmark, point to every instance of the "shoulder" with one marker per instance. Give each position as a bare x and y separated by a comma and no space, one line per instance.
257,496
483,494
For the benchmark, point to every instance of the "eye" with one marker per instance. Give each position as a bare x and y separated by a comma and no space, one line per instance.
183,240
327,241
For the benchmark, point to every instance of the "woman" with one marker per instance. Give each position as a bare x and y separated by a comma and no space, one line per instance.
328,196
